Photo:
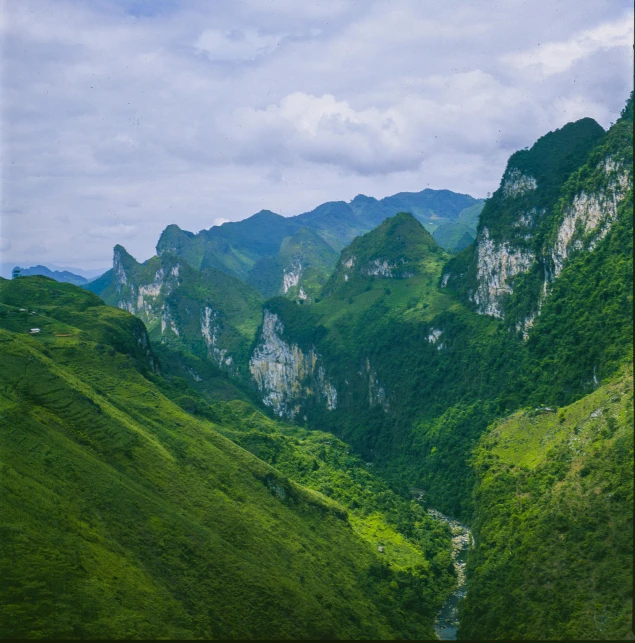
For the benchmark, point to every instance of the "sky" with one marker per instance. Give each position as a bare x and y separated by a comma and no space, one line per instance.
119,117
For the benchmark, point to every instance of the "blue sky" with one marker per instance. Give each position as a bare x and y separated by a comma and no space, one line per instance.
119,118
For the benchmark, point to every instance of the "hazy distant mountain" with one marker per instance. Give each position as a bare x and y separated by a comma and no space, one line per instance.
63,276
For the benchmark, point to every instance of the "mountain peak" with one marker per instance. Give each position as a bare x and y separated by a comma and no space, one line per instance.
397,249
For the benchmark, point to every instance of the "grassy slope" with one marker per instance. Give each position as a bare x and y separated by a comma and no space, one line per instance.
126,517
554,523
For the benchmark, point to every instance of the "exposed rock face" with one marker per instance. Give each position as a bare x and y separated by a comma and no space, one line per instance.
291,276
376,392
590,212
349,263
210,331
497,265
517,183
384,268
141,336
285,375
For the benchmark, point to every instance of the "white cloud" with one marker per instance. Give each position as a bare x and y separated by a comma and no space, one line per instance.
557,57
219,221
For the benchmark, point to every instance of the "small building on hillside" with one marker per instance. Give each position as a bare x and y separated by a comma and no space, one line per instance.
16,272
34,331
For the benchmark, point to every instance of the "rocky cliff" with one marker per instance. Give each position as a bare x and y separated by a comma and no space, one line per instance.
555,199
287,376
207,313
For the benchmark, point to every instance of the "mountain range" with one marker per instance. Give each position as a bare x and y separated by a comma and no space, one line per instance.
295,255
252,433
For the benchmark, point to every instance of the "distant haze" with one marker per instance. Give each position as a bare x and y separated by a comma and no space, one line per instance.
123,116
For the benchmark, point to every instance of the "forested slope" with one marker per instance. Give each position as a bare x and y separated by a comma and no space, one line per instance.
123,516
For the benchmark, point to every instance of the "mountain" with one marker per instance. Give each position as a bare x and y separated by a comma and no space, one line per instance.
306,356
412,371
64,276
514,230
235,247
399,248
454,236
493,385
207,313
292,256
535,315
299,269
125,516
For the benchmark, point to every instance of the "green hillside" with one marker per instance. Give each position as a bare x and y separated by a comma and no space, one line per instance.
299,269
400,248
123,516
554,523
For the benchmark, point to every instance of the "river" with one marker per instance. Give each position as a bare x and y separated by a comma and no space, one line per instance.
447,622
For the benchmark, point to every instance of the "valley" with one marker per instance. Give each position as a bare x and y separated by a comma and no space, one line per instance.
263,430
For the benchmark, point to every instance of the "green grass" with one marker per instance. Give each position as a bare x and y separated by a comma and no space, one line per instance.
554,523
124,516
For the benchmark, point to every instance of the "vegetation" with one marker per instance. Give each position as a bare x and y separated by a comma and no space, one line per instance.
148,493
124,516
554,523
447,372
304,255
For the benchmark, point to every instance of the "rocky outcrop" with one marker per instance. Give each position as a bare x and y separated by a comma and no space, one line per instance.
590,213
287,376
291,276
497,264
386,269
210,331
516,183
376,392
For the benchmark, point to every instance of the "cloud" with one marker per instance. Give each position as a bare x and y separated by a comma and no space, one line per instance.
5,244
558,57
123,116
219,221
119,231
236,45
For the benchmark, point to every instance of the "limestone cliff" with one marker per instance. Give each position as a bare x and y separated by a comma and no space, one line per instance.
555,199
287,376
206,312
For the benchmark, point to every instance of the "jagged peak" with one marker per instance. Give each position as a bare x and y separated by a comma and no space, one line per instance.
120,254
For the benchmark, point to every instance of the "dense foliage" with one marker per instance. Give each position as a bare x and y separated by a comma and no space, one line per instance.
554,523
299,269
125,516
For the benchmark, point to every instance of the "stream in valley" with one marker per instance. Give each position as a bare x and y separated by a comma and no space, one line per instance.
447,622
